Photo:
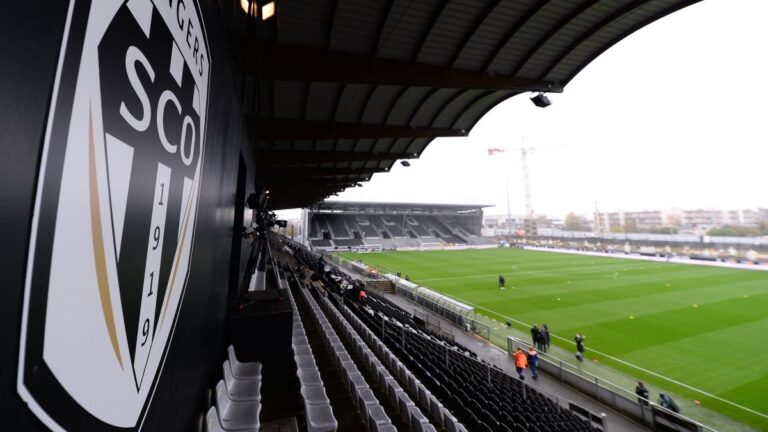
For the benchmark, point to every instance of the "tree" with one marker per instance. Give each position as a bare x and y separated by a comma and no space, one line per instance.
674,220
573,222
630,225
734,231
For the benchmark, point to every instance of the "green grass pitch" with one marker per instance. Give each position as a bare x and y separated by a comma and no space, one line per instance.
706,327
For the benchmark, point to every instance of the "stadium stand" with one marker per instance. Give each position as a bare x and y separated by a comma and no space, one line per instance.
289,107
368,229
479,396
341,225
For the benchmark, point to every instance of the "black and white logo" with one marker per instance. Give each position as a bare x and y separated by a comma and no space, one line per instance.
115,210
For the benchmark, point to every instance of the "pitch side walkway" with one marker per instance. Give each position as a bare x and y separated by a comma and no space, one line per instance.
615,421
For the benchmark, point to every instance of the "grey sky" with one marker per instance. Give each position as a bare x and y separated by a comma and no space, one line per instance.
673,116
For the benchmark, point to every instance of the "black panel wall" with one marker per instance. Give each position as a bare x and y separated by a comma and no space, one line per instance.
30,40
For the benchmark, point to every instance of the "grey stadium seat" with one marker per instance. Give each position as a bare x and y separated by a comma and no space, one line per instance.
320,418
241,389
236,416
243,370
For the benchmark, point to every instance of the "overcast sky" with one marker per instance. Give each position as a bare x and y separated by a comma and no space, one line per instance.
674,116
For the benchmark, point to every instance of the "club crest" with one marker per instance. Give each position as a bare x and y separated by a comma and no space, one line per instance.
115,210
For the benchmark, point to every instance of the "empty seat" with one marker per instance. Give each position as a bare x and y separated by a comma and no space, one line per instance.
419,423
306,362
314,395
309,377
377,418
365,401
234,415
320,418
212,423
243,370
405,404
241,389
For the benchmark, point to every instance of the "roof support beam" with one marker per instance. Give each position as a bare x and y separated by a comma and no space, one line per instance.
552,32
295,63
591,32
278,129
277,157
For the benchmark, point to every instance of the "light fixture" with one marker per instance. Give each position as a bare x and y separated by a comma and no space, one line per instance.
267,11
246,6
541,100
405,163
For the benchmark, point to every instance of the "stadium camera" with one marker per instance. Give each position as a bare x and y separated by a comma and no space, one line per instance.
541,100
405,163
281,223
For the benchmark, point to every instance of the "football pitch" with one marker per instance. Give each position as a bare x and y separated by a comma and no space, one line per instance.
697,331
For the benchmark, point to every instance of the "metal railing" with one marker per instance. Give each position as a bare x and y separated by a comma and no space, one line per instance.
480,329
610,394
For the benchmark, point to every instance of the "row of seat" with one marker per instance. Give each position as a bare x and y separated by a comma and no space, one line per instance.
440,415
407,408
371,411
237,397
388,308
317,407
484,397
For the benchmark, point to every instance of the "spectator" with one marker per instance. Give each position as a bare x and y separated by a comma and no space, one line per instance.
579,346
668,403
642,393
535,333
321,263
521,362
545,337
533,361
362,296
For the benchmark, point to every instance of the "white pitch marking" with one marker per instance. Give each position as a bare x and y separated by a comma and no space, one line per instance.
519,273
681,384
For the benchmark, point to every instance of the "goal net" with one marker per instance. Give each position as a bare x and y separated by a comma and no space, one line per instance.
370,248
431,246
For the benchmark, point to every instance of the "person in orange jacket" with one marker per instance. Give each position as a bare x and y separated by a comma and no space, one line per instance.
521,361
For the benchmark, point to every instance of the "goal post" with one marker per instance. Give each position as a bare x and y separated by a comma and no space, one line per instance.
370,248
430,246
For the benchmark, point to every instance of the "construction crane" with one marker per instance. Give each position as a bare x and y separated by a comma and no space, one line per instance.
529,222
530,219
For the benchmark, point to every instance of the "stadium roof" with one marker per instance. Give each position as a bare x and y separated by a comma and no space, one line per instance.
335,91
392,206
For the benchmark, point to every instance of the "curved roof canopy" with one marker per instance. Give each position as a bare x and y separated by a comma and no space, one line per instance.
335,91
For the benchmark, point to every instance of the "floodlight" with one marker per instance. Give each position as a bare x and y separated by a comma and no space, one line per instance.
267,11
541,100
246,6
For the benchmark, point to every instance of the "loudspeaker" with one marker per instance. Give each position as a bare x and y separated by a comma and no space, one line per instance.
541,100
